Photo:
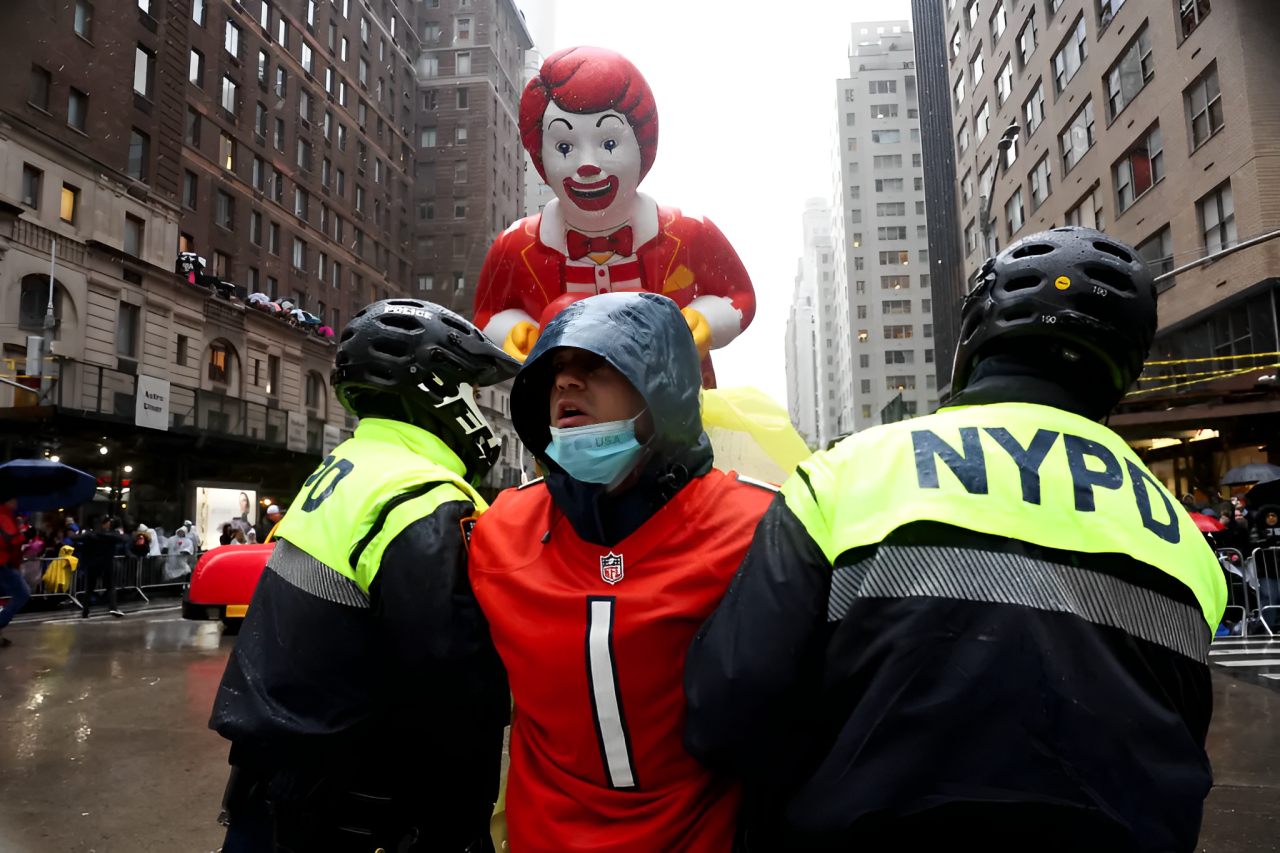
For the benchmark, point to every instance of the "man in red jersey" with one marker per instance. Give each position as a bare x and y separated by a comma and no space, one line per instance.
595,579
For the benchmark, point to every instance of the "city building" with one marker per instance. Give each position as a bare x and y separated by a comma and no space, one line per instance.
884,308
1154,121
470,181
541,16
283,143
811,348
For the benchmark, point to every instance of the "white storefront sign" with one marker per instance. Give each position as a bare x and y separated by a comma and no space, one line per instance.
296,432
151,408
332,438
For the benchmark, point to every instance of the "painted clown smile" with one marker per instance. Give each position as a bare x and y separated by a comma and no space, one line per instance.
596,196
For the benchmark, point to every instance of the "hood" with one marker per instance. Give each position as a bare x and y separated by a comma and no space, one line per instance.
1259,515
647,339
66,551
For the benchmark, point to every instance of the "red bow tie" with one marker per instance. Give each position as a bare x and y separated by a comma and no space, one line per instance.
619,242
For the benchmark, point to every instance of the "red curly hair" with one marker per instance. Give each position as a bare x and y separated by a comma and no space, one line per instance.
590,80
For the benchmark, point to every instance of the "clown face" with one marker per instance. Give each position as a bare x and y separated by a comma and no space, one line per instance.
592,163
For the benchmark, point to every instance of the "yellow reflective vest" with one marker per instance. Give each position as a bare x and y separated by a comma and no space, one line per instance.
385,477
1027,472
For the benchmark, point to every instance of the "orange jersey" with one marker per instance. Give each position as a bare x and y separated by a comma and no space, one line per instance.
594,641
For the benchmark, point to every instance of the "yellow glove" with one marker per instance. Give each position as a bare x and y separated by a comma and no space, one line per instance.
520,341
700,328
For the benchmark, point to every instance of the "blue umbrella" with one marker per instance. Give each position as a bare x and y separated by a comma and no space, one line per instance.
40,485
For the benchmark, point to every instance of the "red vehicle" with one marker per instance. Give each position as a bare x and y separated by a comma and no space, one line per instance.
223,582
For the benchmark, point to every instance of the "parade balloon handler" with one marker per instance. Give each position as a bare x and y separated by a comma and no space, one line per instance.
628,542
364,700
590,124
12,584
98,548
986,628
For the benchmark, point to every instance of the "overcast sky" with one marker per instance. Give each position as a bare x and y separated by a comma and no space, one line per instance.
746,103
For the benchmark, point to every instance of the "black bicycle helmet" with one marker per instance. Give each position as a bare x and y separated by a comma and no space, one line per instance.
415,361
1073,287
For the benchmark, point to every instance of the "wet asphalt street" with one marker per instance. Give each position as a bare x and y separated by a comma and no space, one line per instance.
106,745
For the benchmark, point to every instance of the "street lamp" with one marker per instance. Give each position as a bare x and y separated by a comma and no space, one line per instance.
1007,141
128,469
103,450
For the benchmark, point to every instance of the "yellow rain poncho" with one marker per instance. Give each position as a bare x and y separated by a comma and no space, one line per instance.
57,578
751,434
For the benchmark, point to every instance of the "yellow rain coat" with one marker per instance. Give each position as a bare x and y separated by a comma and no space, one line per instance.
751,434
57,578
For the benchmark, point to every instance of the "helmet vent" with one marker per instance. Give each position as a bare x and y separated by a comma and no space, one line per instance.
1024,282
456,323
348,333
1032,249
400,321
1112,249
1017,315
1113,279
395,349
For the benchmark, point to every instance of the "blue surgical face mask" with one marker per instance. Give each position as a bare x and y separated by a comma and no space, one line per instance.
597,453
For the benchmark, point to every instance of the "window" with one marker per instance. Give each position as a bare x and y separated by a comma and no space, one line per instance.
971,13
304,155
282,82
866,411
896,332
342,183
884,110
460,172
1004,82
326,169
464,29
364,30
966,186
982,124
1192,13
342,50
977,67
862,337
901,383
226,210
195,68
299,253
264,15
896,306
957,91
956,43
193,127
229,89
886,137
31,178
226,152
139,155
899,356
866,386
1204,106
127,320
308,58
971,238
259,174
1074,51
1130,74
273,374
277,138
273,240
464,99
1139,170
464,63
1033,108
364,72
1078,138
84,19
144,72
200,12
231,39
459,210
1041,185
460,134
891,208
890,185
887,161
999,22
962,138
1027,39
77,109
68,203
1088,213
38,92
1218,219
1157,251
1014,212
310,14
301,202
895,258
282,32
255,228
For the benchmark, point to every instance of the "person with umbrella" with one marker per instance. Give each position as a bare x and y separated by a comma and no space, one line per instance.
12,583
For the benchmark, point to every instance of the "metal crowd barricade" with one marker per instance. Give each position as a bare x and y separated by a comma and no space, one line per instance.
127,574
1236,570
1266,567
164,570
40,588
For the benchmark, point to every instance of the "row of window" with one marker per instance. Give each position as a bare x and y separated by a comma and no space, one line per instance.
896,306
898,332
893,258
901,383
891,282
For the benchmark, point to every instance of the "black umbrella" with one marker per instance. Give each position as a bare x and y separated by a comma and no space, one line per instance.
1254,472
40,485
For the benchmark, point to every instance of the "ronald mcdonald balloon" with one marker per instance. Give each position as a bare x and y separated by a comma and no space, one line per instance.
590,125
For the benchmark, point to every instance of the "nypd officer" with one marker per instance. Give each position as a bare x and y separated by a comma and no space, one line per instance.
985,627
364,700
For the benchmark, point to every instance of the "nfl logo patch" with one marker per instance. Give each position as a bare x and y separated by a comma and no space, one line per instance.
611,568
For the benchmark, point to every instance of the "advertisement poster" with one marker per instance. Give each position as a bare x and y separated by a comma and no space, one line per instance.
216,507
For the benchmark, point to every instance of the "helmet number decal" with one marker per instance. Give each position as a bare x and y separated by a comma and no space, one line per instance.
1048,318
1099,290
331,464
